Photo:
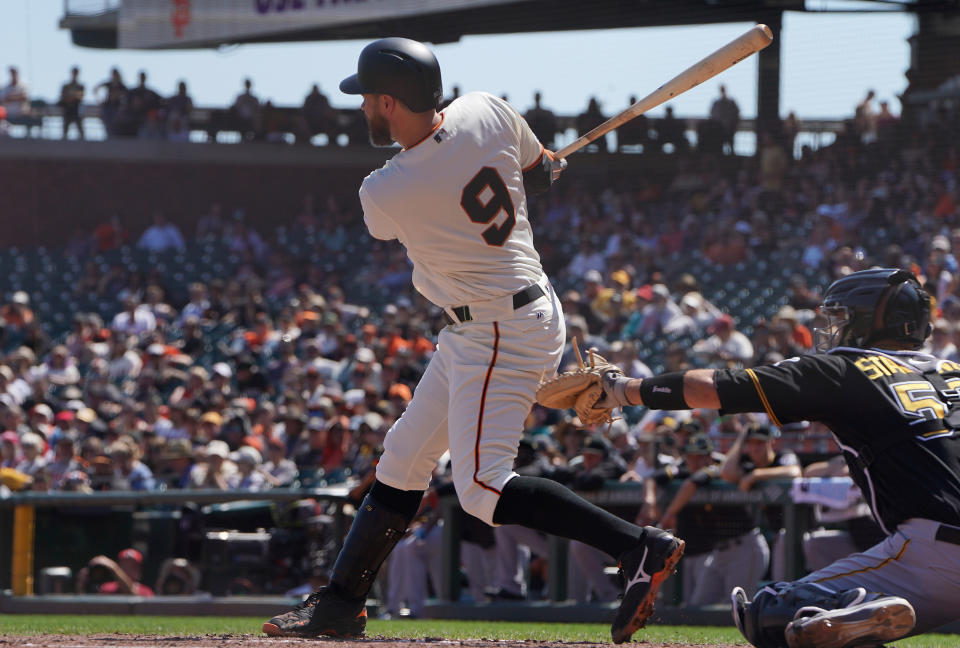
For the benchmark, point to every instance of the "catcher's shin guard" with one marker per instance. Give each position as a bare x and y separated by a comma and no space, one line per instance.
792,615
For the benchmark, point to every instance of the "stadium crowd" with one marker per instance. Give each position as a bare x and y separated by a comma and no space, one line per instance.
140,111
289,368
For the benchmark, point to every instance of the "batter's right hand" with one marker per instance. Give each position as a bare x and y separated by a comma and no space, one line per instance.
557,165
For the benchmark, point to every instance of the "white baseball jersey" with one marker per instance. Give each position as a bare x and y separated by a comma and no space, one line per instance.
455,200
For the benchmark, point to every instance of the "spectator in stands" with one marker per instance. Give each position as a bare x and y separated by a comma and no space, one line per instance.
318,116
246,112
64,459
177,577
589,119
726,112
801,295
751,459
10,450
672,131
110,234
120,577
700,312
249,475
940,343
799,334
542,121
180,105
143,104
162,235
283,470
71,100
129,472
14,97
134,319
113,93
4,124
174,465
60,369
661,315
634,132
790,128
726,346
865,118
214,469
32,446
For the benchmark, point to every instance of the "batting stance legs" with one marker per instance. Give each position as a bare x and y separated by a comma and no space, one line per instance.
473,398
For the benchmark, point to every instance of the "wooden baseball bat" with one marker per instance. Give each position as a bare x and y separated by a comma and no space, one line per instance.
754,40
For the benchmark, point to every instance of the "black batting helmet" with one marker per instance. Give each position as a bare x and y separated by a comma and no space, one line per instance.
870,306
399,67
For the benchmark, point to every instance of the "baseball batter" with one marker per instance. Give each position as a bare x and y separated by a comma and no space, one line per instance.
896,414
455,197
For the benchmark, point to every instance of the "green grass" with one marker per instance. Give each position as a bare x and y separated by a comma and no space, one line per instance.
27,624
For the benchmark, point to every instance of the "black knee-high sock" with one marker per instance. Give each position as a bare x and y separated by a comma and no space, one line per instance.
547,506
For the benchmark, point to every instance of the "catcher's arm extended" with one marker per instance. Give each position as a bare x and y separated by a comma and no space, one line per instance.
697,385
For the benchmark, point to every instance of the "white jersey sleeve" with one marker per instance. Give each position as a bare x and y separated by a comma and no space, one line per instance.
531,151
377,221
456,201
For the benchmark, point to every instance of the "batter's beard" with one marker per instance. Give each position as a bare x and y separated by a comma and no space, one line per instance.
379,131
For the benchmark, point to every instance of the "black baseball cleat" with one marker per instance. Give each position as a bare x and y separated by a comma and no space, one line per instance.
862,624
644,569
323,613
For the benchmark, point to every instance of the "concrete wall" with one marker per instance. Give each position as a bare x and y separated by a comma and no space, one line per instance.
49,189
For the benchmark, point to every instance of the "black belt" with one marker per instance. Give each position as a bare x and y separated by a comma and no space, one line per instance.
948,534
520,299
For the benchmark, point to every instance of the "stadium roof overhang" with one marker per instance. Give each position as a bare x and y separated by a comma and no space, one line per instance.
167,24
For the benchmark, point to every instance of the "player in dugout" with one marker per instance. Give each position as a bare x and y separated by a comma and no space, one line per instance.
896,415
455,196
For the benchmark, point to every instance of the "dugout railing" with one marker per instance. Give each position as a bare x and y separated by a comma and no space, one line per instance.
106,511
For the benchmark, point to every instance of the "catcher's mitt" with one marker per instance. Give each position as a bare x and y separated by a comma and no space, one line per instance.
580,389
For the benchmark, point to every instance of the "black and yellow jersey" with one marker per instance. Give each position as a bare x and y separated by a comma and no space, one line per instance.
886,409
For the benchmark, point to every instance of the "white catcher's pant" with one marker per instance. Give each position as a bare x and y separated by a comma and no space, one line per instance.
473,399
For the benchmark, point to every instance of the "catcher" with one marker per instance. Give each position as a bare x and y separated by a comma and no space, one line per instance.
896,416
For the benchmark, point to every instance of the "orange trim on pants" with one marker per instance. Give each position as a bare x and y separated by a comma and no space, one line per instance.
483,400
883,563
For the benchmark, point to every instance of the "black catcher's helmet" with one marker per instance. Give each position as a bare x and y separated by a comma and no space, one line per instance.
866,307
399,67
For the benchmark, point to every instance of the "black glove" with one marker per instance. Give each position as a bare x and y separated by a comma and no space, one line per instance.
539,177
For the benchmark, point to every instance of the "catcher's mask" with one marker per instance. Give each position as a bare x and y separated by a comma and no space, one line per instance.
885,305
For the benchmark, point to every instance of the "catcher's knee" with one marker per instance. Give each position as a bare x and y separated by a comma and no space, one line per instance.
762,621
